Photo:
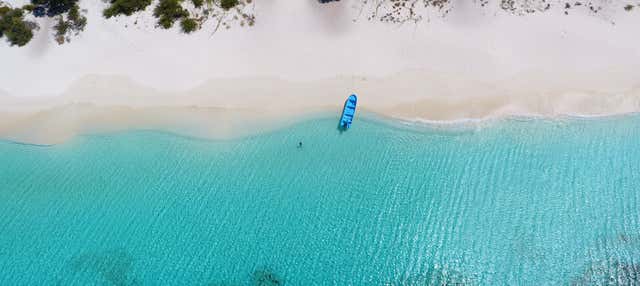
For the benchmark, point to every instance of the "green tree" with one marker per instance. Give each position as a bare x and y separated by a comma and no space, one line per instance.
77,21
228,4
168,11
188,25
52,8
125,7
61,28
14,27
4,10
73,23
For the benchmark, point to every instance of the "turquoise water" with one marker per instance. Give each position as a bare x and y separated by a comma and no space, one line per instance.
515,202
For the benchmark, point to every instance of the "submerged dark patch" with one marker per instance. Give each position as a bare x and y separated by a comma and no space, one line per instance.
265,277
114,266
613,272
435,276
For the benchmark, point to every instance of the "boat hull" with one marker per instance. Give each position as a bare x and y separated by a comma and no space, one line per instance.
348,112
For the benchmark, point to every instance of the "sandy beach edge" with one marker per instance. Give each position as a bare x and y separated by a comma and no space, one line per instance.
221,109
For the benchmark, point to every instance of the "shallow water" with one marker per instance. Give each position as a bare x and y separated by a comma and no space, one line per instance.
515,202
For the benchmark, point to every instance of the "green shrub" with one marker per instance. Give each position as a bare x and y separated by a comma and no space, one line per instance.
4,10
197,3
53,7
74,13
74,23
61,28
188,25
77,21
228,4
28,7
125,7
15,28
168,11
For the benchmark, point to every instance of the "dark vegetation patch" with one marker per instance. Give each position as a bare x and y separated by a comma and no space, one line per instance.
52,8
169,11
69,20
191,14
125,7
188,25
228,4
14,27
70,24
197,3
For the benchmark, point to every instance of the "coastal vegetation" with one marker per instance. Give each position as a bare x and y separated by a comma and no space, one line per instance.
125,7
413,11
17,24
169,11
188,25
191,14
51,8
66,13
14,27
228,4
18,28
70,24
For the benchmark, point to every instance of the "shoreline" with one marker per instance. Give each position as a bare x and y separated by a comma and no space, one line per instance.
258,126
220,109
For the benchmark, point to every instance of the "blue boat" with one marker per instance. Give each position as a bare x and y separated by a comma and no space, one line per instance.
348,112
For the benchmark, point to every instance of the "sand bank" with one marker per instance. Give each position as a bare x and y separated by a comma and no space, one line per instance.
472,64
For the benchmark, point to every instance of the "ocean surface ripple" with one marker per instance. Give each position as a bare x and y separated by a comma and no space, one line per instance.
517,202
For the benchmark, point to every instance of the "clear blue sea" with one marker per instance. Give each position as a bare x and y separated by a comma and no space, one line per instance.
511,202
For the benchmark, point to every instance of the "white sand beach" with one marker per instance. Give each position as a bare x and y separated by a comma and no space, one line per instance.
303,57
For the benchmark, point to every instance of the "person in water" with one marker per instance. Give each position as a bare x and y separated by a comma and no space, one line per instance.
300,144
